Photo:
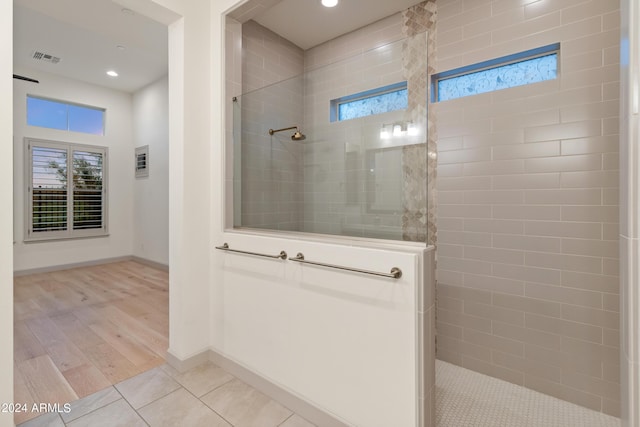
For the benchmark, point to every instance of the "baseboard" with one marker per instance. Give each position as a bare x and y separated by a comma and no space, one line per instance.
72,265
51,268
154,264
182,365
285,397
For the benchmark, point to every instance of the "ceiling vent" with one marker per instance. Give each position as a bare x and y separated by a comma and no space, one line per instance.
45,57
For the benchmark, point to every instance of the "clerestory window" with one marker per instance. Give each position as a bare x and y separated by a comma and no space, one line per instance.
375,101
64,115
532,66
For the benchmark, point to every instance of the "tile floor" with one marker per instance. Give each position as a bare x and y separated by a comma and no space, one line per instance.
208,396
466,398
205,396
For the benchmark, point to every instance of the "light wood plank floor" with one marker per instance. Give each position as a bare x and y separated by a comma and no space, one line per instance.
79,331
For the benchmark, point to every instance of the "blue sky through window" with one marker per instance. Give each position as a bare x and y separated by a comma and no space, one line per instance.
86,120
64,116
46,114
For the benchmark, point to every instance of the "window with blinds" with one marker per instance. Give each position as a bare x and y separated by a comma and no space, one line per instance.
87,190
66,190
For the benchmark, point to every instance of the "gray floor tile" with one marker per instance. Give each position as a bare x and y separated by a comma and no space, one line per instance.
147,387
169,370
181,409
296,421
244,406
45,420
203,378
91,403
116,414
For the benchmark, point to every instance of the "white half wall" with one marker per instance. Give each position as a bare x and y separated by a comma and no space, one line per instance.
358,347
6,215
118,138
151,193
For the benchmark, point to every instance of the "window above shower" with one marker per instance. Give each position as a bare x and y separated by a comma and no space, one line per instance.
523,68
375,101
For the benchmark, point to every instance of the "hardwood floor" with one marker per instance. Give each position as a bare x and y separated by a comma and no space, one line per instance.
79,331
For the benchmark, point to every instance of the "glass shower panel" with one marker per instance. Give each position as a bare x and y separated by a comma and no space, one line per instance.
355,177
268,170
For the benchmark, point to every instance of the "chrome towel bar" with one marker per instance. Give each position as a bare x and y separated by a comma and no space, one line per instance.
225,247
395,273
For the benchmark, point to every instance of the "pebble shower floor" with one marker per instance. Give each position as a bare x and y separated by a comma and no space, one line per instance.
466,398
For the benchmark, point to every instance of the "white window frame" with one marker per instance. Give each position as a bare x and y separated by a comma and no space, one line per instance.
69,233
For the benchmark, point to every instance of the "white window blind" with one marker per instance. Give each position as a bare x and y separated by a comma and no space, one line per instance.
48,192
66,190
87,190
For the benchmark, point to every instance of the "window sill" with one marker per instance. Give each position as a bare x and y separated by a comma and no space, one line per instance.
63,238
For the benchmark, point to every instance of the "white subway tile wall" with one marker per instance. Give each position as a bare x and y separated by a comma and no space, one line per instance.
528,201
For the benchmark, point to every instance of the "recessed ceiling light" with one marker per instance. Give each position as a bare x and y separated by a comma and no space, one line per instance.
329,3
112,73
120,47
127,11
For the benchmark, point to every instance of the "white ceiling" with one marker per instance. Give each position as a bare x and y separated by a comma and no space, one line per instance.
307,23
85,35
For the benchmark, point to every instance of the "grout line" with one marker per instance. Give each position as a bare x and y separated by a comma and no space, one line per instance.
214,411
131,406
207,406
181,386
94,410
286,419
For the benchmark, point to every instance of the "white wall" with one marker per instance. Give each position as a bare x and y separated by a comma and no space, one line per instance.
6,215
195,199
151,193
118,140
192,209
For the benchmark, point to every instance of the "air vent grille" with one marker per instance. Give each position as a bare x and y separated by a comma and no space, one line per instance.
41,56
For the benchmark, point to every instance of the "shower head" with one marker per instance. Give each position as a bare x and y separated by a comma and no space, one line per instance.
297,136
